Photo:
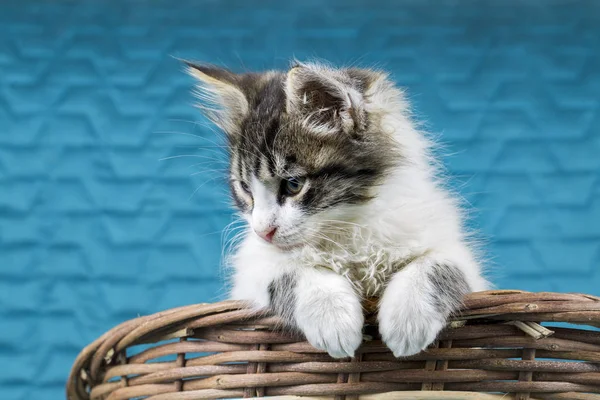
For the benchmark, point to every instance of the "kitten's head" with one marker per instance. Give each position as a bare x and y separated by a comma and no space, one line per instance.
306,147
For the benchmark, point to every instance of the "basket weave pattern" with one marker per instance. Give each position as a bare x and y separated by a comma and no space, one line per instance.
495,344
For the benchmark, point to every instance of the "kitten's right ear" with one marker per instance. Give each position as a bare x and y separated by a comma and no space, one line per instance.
328,99
221,96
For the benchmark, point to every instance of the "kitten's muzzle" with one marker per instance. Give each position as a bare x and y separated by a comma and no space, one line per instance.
267,234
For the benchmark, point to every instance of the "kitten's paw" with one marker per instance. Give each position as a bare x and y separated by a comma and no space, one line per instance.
333,324
407,328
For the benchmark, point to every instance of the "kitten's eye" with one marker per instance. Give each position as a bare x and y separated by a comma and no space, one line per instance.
293,186
244,186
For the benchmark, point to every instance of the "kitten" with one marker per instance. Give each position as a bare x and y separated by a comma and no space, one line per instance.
343,201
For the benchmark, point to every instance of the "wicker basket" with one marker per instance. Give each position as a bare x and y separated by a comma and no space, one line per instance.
495,348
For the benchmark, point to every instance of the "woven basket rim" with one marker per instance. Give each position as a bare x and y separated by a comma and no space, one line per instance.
520,308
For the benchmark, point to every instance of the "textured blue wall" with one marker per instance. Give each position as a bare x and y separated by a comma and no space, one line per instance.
95,230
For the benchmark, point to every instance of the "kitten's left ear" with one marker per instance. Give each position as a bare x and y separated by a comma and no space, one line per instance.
222,98
327,99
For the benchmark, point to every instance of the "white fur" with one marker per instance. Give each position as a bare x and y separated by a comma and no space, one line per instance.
328,312
413,223
265,212
327,309
408,319
257,264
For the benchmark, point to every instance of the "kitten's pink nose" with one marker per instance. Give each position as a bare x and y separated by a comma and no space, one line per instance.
267,234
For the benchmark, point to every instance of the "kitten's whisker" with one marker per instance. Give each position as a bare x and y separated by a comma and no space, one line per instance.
232,243
210,149
248,152
259,153
199,187
208,171
189,155
206,163
337,221
235,239
221,172
179,133
232,231
187,121
317,235
230,228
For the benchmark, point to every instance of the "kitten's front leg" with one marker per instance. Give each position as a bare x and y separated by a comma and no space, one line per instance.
417,302
328,311
256,266
319,303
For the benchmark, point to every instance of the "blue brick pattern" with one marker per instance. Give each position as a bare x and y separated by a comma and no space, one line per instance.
95,230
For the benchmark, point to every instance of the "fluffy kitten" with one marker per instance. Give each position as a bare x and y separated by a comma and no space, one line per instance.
342,200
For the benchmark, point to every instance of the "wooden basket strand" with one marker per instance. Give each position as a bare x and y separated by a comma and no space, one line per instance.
496,344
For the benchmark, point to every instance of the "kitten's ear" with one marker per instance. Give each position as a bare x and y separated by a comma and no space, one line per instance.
327,99
222,98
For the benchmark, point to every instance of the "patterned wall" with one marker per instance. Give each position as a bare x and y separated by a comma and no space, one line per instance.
95,230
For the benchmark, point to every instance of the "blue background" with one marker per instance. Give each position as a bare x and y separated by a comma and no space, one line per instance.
95,230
